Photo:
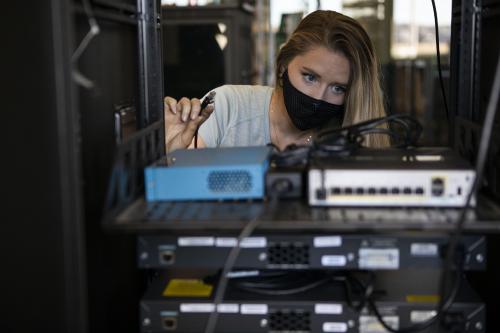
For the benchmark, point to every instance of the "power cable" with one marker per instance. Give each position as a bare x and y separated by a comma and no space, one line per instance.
451,251
280,187
441,82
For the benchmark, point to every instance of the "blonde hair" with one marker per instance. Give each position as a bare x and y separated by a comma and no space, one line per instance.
340,33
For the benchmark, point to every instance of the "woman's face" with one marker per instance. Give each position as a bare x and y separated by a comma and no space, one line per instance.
321,74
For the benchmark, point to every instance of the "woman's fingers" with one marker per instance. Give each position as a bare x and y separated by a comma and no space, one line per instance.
183,118
195,108
170,104
190,109
184,106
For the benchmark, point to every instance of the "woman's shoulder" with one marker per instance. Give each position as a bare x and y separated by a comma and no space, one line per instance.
243,101
242,92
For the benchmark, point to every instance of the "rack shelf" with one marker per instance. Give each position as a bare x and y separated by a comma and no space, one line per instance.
296,216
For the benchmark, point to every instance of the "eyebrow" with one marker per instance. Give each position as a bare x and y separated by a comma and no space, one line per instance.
307,69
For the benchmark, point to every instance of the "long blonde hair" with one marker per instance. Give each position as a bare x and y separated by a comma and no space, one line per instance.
340,33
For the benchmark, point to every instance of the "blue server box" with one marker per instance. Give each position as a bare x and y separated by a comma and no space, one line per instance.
208,174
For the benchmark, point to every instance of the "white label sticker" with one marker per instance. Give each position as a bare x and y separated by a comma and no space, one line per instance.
378,258
253,309
240,274
333,260
328,308
370,324
197,307
419,316
424,249
334,327
253,242
228,308
429,158
226,241
327,241
195,241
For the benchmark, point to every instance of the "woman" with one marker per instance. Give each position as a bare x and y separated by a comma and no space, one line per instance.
327,76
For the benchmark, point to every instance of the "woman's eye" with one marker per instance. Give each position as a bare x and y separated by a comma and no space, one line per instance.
338,89
309,77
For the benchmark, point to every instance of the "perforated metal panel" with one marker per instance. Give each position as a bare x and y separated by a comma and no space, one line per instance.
284,253
229,181
289,321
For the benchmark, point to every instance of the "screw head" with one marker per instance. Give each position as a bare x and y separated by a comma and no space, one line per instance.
146,322
262,256
263,322
144,256
479,257
350,323
478,325
350,256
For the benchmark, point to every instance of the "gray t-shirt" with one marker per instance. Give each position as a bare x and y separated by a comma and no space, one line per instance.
240,117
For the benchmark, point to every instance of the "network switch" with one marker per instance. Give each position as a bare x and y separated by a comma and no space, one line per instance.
433,177
184,305
320,251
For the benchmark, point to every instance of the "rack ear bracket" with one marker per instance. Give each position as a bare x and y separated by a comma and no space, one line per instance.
127,175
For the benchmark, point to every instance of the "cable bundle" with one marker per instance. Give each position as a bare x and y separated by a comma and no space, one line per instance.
403,130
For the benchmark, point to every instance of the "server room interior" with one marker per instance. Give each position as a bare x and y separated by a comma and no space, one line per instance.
64,271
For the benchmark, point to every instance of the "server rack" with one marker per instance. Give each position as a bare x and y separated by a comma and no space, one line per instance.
66,274
474,52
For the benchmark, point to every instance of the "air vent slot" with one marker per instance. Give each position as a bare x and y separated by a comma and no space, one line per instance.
290,321
229,181
285,253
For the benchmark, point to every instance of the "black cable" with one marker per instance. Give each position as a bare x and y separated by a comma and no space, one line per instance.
443,306
288,284
480,164
365,290
436,27
403,129
228,265
233,255
484,144
209,99
445,302
292,156
410,126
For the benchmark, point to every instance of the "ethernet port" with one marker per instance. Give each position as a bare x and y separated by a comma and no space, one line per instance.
348,190
407,190
335,190
383,190
419,190
437,186
360,191
167,257
372,190
169,323
321,194
395,190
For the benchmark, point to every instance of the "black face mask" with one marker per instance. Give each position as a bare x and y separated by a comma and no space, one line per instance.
307,112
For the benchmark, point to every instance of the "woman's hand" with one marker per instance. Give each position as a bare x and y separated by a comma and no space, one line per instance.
182,118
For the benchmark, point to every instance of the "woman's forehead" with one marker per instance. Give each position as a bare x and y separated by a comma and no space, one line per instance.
330,65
